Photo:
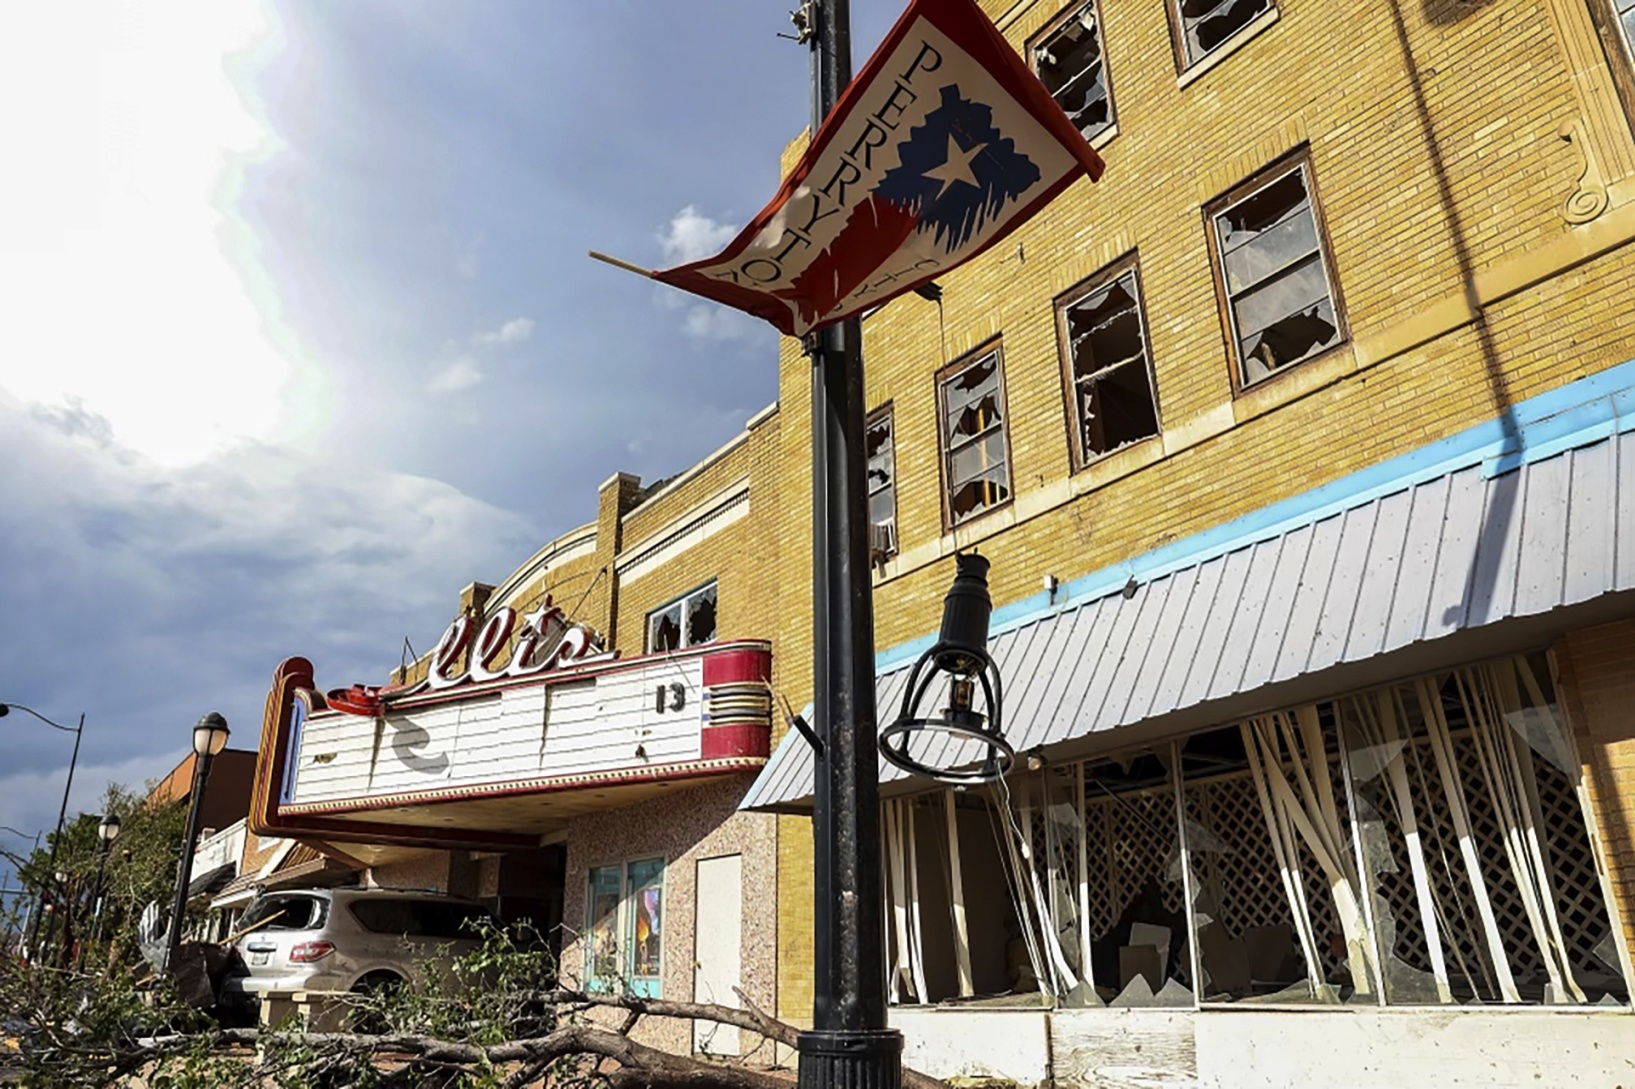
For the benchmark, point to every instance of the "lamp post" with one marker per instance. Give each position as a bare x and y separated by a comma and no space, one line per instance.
62,811
209,738
107,832
849,1044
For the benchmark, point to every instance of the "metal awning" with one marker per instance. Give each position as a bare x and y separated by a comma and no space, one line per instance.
212,881
1522,517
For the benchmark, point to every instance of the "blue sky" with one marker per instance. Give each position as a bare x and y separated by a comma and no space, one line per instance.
298,335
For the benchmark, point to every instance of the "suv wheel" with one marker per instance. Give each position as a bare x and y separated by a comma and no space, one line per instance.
367,1018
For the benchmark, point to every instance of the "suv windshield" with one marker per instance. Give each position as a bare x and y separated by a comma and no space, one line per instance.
420,918
289,912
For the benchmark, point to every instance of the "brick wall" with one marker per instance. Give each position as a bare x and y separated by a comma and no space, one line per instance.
1596,672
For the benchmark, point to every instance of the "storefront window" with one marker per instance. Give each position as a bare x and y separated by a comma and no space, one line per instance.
1419,844
1474,839
1276,905
646,913
602,933
624,909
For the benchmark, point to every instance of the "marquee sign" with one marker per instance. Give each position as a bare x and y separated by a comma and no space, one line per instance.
508,712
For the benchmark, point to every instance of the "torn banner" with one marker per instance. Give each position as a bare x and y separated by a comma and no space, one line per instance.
942,145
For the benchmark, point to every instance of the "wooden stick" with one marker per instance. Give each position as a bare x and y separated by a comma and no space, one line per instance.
626,265
251,929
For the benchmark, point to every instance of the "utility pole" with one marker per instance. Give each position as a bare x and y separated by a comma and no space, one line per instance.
849,1045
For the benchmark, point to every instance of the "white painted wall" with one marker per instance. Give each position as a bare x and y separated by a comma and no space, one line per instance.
718,940
568,728
1376,1049
947,1043
1341,1049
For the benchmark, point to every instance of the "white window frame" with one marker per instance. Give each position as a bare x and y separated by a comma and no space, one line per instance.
682,606
1183,41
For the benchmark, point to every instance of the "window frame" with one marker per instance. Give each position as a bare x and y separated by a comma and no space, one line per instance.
681,600
1297,160
624,925
883,412
1129,264
1054,27
994,347
1184,62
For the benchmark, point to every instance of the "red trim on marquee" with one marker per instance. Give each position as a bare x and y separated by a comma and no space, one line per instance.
738,664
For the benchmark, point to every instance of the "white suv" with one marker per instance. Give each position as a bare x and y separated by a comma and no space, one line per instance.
347,940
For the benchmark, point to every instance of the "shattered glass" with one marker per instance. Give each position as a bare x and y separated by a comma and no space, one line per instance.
701,617
1071,66
664,629
880,451
1206,24
1107,346
1272,260
978,473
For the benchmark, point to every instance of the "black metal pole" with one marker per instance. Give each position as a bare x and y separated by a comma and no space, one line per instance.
184,867
849,1045
62,813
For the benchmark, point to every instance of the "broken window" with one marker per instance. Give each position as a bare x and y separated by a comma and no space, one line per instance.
975,458
1110,367
1207,24
1275,276
1424,843
1626,20
685,622
1276,903
1070,64
1485,886
1135,918
880,451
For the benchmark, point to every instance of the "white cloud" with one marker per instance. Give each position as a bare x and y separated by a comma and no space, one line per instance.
462,374
179,589
692,236
122,125
32,798
514,331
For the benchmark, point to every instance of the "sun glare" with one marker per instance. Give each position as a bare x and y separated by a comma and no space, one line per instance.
118,296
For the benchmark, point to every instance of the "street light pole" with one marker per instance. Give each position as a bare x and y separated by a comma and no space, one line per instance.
209,738
62,811
849,1044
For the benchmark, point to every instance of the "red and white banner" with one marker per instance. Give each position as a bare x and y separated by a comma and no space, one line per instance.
943,145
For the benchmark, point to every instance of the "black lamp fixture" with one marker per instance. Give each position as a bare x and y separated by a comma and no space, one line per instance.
209,738
210,735
961,654
108,830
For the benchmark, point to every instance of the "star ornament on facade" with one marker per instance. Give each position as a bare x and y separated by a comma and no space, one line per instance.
957,167
535,621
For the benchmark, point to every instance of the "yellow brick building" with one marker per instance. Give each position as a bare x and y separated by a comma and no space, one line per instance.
1436,304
